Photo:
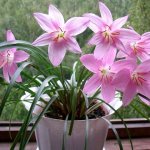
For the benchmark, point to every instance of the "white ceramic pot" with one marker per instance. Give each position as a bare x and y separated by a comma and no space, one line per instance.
49,132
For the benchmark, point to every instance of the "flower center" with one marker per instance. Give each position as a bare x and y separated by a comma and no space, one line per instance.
107,34
137,78
104,71
106,75
60,35
134,47
9,57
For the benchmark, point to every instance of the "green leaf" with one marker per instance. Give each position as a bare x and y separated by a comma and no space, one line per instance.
140,112
65,133
115,132
95,106
38,119
23,129
121,120
86,133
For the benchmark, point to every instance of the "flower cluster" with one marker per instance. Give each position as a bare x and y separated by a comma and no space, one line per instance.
131,73
120,61
111,41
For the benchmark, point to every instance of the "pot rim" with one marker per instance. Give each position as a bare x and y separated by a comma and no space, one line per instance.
116,104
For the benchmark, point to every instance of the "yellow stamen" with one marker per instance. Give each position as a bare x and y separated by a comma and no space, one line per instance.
60,35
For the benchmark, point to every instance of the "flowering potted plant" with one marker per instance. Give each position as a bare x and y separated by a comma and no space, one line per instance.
72,112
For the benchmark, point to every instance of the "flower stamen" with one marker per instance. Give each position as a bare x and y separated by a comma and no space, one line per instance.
9,57
137,78
60,35
105,74
134,47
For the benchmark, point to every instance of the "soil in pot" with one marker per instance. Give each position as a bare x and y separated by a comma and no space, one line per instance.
96,113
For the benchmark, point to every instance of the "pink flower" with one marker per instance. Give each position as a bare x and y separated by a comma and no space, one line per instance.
59,35
9,58
137,80
108,33
104,71
138,48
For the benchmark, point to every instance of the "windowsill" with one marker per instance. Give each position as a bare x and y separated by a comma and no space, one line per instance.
136,127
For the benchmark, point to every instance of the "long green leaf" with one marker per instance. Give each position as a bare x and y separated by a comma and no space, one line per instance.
140,112
116,133
26,122
65,133
98,104
73,101
38,119
37,97
86,133
121,120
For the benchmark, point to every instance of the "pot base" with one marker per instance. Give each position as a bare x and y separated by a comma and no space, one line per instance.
38,148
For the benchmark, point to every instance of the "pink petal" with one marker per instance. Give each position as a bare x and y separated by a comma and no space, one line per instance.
105,13
45,22
146,76
101,49
13,50
145,44
129,93
118,23
10,36
96,39
96,23
5,73
56,53
109,58
44,39
20,56
92,84
121,79
146,34
144,67
56,15
145,37
120,46
73,45
143,56
127,34
127,47
108,92
76,25
12,70
93,27
145,90
2,60
90,62
129,64
121,54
